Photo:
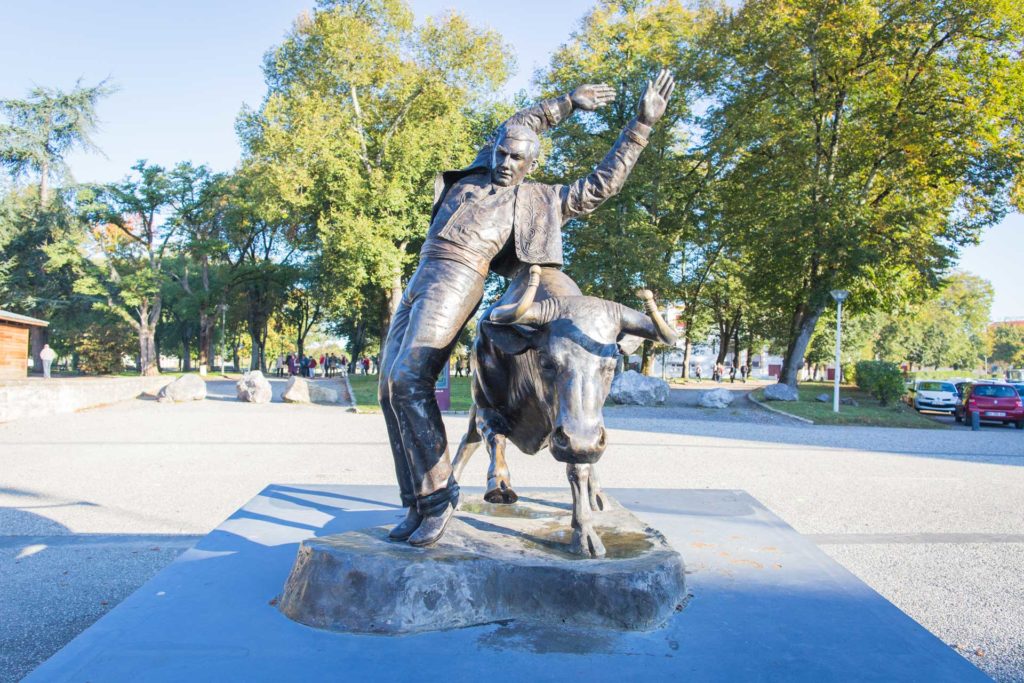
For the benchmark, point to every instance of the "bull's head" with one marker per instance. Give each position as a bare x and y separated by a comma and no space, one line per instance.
576,341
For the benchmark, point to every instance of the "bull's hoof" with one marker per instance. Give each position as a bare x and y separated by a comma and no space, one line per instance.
586,542
501,494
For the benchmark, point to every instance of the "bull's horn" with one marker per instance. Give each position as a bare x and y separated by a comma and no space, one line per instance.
652,326
512,313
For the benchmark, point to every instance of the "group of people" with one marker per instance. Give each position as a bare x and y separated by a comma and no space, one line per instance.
718,372
328,365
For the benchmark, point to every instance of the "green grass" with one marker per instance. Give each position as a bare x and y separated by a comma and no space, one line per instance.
365,389
868,413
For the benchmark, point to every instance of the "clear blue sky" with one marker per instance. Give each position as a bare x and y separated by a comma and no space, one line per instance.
184,69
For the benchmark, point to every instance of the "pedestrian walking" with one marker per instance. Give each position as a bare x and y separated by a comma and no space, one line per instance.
47,355
366,365
732,375
696,372
458,366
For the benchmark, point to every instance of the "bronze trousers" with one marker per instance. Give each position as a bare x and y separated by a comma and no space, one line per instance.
438,302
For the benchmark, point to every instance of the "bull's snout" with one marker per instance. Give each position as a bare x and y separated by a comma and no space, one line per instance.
578,445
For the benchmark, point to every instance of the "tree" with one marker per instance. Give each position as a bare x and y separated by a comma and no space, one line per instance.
200,200
44,128
867,141
1007,343
122,256
948,330
264,243
362,109
656,233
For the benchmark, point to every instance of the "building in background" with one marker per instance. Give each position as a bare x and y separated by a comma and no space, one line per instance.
14,342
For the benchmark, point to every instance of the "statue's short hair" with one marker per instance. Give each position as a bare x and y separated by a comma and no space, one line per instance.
525,133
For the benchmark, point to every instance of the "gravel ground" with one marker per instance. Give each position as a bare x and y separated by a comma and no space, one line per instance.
932,519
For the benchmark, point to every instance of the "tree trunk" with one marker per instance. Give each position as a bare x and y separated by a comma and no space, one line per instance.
687,352
647,357
805,322
38,337
358,343
206,322
186,350
736,346
256,358
44,183
148,364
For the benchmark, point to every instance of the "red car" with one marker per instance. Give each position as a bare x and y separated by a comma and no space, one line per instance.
993,402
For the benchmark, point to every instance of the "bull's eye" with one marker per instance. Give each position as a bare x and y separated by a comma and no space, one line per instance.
547,364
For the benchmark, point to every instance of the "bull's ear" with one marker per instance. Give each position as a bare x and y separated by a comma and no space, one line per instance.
628,343
511,339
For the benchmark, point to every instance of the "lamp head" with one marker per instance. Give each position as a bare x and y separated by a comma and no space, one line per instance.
839,295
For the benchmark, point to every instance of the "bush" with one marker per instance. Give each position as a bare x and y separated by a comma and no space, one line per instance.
881,379
101,349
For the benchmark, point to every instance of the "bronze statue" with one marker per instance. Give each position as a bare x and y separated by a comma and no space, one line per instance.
545,356
485,217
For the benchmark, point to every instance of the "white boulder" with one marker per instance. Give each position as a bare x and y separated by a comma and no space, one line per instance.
716,398
781,392
185,388
254,388
632,388
300,390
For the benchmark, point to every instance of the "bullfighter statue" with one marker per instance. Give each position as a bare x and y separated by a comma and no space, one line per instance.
485,217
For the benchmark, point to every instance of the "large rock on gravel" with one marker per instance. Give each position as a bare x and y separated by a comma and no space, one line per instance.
632,388
185,388
300,390
780,392
254,388
495,562
716,398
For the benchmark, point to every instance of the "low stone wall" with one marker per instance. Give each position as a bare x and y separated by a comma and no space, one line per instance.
35,397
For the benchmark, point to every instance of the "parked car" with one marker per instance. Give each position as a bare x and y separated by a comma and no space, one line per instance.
935,395
993,402
1019,386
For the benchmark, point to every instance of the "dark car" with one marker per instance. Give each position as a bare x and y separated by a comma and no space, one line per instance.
992,402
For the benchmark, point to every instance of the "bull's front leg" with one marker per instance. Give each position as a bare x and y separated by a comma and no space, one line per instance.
598,501
585,540
499,481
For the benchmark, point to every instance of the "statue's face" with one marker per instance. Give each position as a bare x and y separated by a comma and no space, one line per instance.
512,160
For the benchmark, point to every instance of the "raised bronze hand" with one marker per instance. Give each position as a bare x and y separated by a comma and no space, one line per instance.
655,98
591,97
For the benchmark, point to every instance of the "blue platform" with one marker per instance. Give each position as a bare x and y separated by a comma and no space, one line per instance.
766,605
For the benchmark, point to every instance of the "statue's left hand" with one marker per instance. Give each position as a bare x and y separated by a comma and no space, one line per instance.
655,98
591,97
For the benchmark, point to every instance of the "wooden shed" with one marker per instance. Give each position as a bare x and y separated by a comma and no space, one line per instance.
14,336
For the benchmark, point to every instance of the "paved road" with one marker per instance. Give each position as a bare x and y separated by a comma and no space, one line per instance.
92,504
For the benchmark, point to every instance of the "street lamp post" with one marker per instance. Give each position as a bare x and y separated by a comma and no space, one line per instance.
840,296
223,335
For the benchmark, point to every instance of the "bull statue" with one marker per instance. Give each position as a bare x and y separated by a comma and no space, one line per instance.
545,357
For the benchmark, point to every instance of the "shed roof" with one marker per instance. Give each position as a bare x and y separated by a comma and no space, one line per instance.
7,316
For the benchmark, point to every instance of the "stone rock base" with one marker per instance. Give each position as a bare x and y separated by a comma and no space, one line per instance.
495,563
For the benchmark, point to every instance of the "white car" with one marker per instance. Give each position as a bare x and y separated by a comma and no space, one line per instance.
935,395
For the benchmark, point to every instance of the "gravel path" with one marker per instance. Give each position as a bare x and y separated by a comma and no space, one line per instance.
92,504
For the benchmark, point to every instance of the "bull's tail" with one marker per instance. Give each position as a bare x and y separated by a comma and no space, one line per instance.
470,442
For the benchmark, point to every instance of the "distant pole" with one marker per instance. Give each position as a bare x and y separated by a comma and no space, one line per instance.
840,296
223,335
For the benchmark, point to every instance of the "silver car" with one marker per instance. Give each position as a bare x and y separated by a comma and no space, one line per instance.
935,395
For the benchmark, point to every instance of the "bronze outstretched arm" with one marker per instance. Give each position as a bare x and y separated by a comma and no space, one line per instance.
550,112
586,194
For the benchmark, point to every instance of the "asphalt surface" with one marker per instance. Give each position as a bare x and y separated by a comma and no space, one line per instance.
94,503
